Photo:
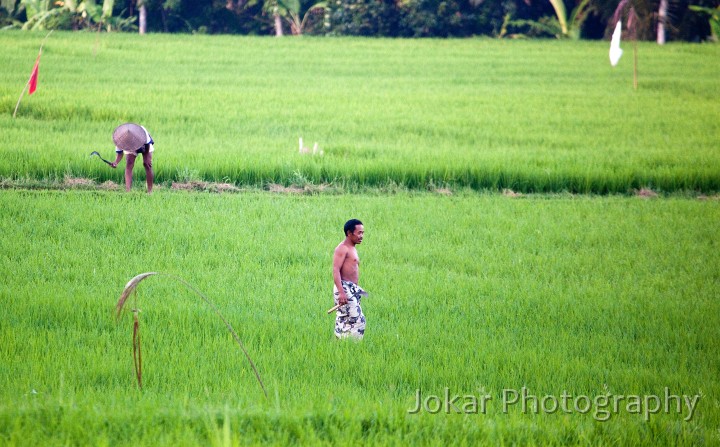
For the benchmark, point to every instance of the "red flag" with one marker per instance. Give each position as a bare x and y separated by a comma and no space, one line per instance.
32,83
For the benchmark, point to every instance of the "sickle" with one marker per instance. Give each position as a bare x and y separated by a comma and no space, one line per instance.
98,154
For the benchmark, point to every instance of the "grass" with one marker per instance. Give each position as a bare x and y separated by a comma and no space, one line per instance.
469,292
569,293
532,116
131,289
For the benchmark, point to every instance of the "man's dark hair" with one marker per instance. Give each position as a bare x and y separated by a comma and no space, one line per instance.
350,225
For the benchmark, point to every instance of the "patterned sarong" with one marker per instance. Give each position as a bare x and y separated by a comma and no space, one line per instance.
349,319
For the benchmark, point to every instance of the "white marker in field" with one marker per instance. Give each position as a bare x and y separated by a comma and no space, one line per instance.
615,50
315,150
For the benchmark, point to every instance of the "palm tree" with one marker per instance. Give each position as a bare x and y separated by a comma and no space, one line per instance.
570,26
627,8
142,17
560,26
290,11
662,18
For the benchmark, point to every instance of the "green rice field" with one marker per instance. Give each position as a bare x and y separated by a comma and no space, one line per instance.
531,116
540,245
570,294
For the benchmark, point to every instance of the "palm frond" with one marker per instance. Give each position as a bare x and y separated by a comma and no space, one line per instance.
132,285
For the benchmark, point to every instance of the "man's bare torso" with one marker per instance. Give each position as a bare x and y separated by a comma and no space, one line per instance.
349,270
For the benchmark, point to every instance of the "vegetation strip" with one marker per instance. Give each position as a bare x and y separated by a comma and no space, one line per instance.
474,294
531,116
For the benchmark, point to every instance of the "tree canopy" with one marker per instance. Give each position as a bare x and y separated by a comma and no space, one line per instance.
688,20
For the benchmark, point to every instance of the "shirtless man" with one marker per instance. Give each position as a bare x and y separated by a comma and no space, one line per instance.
349,319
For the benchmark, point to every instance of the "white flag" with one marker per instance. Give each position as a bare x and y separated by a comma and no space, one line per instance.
615,51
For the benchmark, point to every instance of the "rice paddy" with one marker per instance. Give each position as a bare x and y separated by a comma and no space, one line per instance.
534,116
568,319
568,294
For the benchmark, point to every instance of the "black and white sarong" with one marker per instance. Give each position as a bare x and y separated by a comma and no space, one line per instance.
349,319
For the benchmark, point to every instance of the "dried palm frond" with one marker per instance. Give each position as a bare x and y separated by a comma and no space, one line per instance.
130,288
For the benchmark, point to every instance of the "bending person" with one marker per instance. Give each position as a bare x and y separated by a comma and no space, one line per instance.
132,139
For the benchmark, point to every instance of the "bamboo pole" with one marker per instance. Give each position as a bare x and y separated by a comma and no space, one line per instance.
27,84
635,63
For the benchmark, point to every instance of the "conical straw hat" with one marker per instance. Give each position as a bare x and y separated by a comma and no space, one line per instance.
129,137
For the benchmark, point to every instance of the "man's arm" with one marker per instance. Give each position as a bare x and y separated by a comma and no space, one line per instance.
338,261
117,159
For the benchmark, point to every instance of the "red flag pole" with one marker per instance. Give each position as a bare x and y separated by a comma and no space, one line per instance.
32,81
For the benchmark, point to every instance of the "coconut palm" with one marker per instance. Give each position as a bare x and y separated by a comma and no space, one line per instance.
290,11
560,26
627,8
570,26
